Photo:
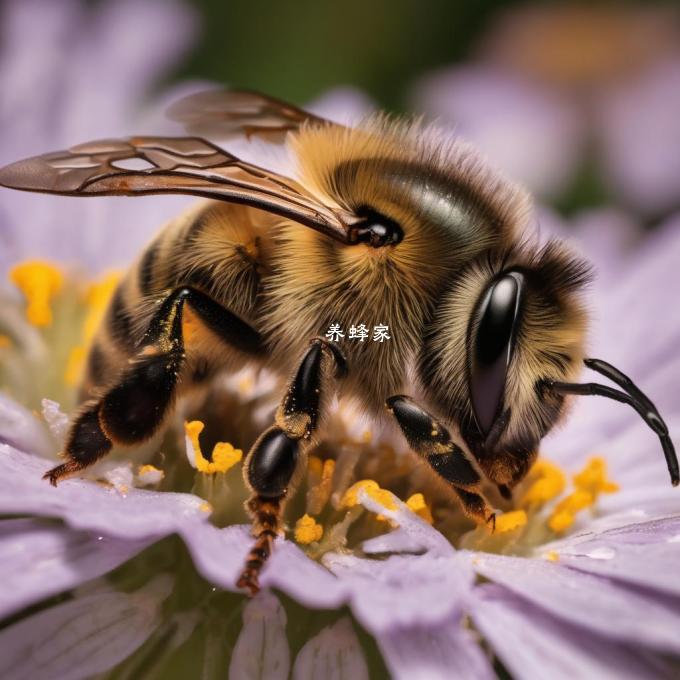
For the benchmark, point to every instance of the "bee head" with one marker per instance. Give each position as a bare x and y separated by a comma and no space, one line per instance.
507,324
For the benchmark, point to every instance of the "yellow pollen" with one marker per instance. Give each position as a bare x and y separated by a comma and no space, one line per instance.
590,483
205,507
5,341
307,530
373,490
509,521
39,282
417,504
549,482
224,455
552,556
246,384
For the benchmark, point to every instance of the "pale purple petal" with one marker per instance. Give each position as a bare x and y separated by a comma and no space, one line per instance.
444,652
593,603
261,650
21,429
345,105
83,504
333,654
532,134
40,559
403,590
645,554
640,131
82,637
532,643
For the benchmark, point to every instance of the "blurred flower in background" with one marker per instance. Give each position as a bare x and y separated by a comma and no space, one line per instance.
561,90
130,572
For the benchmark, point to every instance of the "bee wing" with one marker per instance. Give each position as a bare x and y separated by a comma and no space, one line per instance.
225,114
175,165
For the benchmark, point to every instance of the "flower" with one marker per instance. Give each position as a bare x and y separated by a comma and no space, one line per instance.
598,590
131,570
551,101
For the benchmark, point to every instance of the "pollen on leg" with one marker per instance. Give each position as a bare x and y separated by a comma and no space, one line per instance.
39,281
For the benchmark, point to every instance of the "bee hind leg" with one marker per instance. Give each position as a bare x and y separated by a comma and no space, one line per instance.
432,442
275,456
135,406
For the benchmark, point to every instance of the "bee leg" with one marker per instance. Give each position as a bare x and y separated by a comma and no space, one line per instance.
273,459
134,408
432,441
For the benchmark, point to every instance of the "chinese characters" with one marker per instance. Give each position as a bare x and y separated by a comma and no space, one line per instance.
360,333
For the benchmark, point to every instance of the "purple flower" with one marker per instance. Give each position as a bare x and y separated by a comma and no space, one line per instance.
133,569
556,87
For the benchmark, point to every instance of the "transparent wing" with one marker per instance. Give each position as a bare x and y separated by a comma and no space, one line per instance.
224,114
176,165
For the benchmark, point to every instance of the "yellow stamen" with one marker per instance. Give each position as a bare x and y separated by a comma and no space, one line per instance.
593,478
150,474
39,282
560,521
509,521
320,478
224,455
97,298
373,490
5,341
74,365
589,483
417,504
307,530
549,483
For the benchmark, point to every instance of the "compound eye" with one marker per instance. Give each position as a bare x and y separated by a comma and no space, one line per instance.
492,344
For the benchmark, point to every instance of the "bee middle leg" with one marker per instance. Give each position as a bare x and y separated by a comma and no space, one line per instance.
432,441
134,407
274,458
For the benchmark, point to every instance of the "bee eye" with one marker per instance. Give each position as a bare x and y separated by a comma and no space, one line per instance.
492,344
376,230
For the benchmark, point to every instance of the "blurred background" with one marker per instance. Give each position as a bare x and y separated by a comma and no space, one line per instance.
578,101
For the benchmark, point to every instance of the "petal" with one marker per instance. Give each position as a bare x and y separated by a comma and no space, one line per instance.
646,554
533,644
82,637
21,429
40,559
82,504
333,654
593,603
504,116
261,651
443,652
403,590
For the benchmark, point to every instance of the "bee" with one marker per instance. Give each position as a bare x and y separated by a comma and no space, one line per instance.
391,222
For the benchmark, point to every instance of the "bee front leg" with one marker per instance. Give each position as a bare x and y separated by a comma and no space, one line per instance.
135,406
274,458
432,441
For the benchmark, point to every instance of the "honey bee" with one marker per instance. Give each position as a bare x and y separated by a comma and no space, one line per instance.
390,221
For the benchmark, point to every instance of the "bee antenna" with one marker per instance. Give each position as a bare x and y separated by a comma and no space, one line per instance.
632,395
